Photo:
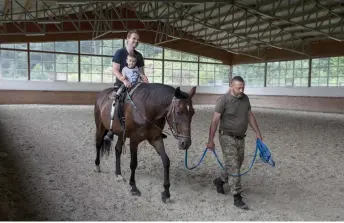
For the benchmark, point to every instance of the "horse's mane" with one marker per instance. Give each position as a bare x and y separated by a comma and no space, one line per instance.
158,93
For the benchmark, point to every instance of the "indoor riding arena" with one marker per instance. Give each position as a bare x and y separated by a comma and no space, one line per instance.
56,56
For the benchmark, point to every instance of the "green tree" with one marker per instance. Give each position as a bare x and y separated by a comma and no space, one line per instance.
14,65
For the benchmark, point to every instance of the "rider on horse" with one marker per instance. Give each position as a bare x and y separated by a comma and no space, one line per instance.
128,68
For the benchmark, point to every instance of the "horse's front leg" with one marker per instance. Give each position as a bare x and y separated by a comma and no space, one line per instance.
133,166
158,144
118,147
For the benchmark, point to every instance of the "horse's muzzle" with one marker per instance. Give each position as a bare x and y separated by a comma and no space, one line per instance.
184,143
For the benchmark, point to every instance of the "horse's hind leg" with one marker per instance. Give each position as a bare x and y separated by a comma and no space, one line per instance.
158,144
101,131
99,140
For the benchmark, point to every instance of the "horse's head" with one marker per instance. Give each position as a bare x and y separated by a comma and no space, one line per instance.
180,116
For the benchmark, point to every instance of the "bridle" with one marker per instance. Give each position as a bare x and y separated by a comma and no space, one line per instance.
174,128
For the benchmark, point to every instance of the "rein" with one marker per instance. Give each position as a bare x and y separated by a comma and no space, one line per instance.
172,128
264,154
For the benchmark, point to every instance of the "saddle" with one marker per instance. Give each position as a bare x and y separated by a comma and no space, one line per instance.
119,106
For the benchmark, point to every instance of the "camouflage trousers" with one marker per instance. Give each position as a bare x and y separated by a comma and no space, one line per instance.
233,154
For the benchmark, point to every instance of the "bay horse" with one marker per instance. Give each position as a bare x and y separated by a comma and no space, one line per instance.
145,113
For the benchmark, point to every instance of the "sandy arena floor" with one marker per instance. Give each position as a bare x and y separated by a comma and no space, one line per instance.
47,157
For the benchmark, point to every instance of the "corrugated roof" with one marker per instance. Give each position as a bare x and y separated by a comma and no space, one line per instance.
231,26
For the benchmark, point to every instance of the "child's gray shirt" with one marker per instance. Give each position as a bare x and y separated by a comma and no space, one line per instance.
133,74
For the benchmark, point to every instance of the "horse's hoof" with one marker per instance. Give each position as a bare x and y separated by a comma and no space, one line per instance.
135,192
166,199
97,169
119,178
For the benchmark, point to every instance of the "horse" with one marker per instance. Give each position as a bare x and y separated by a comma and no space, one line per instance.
145,113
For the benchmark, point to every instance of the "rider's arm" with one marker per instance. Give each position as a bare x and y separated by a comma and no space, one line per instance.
115,71
139,71
142,76
142,71
116,61
140,64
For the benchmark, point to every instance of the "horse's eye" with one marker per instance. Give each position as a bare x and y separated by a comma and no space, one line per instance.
179,113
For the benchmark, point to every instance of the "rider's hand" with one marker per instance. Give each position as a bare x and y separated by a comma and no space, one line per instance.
144,78
126,83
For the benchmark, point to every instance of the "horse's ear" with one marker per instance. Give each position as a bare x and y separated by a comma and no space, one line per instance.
192,92
178,92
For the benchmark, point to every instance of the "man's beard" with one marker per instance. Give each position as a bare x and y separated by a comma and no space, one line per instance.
238,95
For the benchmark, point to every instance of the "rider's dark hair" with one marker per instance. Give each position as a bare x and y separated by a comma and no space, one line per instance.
131,32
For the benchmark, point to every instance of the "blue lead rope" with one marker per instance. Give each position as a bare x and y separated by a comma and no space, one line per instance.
264,154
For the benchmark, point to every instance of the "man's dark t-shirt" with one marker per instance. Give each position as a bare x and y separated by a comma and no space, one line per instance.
120,57
234,113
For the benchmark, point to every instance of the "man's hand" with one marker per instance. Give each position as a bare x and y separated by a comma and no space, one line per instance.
126,83
144,78
211,145
259,136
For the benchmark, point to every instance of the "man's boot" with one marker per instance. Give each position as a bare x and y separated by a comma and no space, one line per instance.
239,203
218,183
109,135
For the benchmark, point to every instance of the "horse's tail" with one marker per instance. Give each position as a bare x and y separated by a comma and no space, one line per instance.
105,149
101,131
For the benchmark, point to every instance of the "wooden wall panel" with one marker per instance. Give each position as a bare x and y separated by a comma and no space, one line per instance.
320,104
47,97
317,104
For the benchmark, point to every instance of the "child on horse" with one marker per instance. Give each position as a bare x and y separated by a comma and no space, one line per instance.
133,75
